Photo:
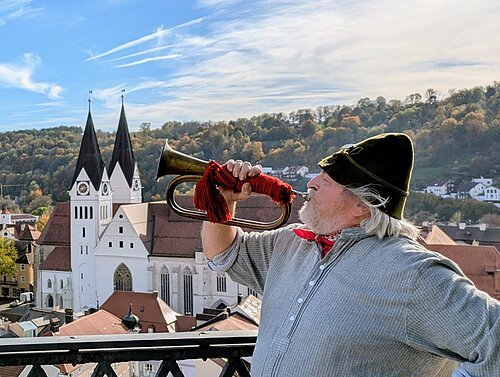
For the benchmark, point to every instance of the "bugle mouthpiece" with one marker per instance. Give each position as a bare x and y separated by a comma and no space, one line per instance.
303,195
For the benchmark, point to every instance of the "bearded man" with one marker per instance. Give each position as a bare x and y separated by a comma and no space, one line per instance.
350,292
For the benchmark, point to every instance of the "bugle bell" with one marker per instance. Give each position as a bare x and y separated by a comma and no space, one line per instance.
191,169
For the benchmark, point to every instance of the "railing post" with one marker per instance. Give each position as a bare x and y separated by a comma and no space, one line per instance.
234,365
104,369
37,371
169,366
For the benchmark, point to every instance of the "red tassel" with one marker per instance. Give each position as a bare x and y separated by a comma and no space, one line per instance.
208,198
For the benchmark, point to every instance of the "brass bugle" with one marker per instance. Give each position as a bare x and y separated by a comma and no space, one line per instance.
191,169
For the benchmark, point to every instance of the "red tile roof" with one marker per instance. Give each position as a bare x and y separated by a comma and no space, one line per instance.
57,229
232,323
152,311
58,260
101,322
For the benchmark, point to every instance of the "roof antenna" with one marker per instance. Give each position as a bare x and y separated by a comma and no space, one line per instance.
90,100
123,95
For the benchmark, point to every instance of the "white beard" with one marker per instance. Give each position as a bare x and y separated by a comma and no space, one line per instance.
322,220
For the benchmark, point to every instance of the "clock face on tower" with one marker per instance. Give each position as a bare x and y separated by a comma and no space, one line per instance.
82,188
105,188
135,184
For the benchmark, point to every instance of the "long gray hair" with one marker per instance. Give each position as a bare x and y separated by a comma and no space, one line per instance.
380,223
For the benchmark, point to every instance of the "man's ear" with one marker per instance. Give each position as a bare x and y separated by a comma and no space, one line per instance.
360,210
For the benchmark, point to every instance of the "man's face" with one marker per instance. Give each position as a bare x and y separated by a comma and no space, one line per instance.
330,207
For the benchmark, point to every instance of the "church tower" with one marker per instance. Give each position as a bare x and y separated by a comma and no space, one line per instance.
91,207
125,180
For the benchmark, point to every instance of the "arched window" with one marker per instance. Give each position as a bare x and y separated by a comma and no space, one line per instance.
188,291
62,283
60,302
122,278
49,283
221,283
165,285
50,301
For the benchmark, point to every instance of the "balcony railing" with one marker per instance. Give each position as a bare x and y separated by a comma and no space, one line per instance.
230,346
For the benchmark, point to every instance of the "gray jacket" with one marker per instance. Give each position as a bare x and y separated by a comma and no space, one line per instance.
371,307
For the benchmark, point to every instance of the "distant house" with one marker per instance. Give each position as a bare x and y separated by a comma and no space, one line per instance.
470,190
294,172
441,188
485,181
492,194
24,236
480,234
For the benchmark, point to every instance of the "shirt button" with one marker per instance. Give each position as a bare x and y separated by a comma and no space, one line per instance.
300,300
311,283
322,267
292,318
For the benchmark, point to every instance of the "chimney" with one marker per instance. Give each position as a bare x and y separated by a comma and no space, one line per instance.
482,227
155,294
68,316
54,324
93,310
461,226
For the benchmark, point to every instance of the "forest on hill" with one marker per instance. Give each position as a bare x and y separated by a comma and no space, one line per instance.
455,138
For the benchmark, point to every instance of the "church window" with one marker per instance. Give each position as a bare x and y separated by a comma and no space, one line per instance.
131,245
76,212
122,278
121,244
61,302
49,283
221,283
120,229
81,212
188,291
87,249
62,283
91,212
110,244
165,285
81,275
86,212
83,232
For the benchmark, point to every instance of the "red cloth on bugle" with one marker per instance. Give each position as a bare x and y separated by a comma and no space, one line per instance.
208,198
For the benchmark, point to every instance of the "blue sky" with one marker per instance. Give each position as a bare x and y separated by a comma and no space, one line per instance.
225,59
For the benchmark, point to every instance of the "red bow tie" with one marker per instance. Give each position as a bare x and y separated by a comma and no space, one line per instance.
326,242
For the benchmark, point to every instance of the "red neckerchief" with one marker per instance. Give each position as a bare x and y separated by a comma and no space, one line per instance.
326,242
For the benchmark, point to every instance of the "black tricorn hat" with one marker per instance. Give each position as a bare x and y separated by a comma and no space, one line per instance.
383,162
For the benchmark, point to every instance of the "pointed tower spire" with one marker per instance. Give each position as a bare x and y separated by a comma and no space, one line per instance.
122,151
90,156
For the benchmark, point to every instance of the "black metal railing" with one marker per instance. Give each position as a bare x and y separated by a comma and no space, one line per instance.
230,346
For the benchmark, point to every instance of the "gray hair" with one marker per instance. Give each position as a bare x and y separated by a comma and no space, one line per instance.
380,223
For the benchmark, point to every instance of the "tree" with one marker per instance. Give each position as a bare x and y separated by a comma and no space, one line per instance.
8,256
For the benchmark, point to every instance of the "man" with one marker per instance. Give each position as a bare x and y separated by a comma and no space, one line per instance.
376,303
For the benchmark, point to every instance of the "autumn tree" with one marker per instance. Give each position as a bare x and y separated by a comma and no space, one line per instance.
8,256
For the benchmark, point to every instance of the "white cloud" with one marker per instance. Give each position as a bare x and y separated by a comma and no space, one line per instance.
148,60
159,34
21,76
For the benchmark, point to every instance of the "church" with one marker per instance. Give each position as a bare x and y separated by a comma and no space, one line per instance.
106,239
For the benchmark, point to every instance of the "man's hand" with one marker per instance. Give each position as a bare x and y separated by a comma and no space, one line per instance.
242,170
